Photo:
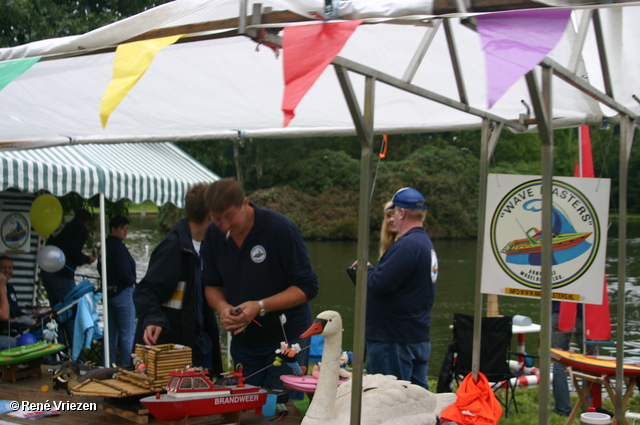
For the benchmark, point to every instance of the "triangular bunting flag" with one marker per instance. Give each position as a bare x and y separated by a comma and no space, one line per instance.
586,155
131,62
597,319
515,42
308,50
10,70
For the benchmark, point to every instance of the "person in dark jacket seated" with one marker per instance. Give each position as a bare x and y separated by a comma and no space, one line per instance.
10,310
169,300
121,281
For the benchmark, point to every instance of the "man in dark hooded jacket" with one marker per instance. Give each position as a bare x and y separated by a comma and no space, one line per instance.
169,300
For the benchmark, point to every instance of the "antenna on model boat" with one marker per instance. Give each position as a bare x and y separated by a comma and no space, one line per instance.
283,320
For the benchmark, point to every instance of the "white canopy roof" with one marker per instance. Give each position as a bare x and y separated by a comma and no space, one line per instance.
160,172
206,87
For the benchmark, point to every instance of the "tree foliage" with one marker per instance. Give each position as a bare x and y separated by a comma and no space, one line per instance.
24,21
316,181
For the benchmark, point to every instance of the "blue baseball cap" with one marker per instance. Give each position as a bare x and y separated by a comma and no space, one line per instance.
408,197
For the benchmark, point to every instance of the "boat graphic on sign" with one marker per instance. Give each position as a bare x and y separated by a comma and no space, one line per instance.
566,244
16,234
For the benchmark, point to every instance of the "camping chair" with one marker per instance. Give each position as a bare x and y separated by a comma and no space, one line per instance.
86,328
494,351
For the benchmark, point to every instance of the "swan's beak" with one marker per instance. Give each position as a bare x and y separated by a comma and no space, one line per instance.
316,328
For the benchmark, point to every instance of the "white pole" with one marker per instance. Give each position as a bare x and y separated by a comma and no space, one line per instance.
105,301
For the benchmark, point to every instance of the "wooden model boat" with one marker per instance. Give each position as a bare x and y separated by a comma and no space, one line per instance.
592,364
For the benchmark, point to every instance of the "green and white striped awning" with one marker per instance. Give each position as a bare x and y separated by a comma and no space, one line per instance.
159,172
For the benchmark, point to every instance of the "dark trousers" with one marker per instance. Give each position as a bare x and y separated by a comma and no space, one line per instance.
57,288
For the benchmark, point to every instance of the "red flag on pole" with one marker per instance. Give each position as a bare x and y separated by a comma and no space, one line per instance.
597,317
307,51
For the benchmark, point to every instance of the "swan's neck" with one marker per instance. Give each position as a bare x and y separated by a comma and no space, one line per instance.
323,403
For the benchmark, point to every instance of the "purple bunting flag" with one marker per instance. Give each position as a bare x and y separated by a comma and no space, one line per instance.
515,42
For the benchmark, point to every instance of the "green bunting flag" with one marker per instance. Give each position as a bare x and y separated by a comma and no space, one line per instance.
11,70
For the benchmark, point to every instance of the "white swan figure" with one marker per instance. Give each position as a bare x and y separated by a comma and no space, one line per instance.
385,399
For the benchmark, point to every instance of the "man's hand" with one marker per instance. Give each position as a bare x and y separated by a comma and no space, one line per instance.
151,334
236,319
93,257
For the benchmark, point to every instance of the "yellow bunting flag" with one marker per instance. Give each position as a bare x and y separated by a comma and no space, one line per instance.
130,64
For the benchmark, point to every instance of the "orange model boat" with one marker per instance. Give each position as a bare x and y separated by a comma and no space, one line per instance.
594,365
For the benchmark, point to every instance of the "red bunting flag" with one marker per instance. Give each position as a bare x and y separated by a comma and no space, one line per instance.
308,50
597,318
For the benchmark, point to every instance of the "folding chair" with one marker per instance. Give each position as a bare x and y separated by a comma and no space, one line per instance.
494,351
86,329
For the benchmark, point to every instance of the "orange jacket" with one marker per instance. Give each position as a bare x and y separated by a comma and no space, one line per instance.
476,403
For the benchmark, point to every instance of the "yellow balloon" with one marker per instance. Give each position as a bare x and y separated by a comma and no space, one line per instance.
45,214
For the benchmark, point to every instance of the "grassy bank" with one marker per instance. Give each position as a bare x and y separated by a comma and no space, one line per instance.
630,217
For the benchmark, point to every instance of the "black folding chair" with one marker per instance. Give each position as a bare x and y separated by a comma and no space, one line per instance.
494,355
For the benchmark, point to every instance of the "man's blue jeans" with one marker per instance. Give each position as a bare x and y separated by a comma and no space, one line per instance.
409,362
122,315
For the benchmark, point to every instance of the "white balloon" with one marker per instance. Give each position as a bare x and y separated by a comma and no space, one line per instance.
51,259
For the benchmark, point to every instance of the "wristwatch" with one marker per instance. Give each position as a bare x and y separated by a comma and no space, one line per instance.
263,310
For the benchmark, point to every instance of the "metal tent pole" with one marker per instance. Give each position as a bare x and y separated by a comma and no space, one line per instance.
364,128
105,301
490,133
626,141
542,108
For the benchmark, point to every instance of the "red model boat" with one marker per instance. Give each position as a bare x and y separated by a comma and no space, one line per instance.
191,393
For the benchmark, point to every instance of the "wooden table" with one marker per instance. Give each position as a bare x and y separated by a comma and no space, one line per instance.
594,387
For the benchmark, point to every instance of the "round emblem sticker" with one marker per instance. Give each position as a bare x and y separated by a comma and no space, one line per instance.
15,228
258,254
516,236
434,266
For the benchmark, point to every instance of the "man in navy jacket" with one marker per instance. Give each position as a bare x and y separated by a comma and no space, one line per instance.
400,295
169,300
257,269
70,240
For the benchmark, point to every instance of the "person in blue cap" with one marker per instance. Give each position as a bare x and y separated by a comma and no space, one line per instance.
400,295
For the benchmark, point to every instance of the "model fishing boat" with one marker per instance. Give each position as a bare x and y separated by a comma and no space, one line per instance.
594,365
533,243
191,393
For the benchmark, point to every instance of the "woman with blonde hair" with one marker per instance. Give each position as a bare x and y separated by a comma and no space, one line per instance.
388,232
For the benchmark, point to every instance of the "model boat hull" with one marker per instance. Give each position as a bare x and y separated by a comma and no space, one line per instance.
168,408
534,245
592,364
29,352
